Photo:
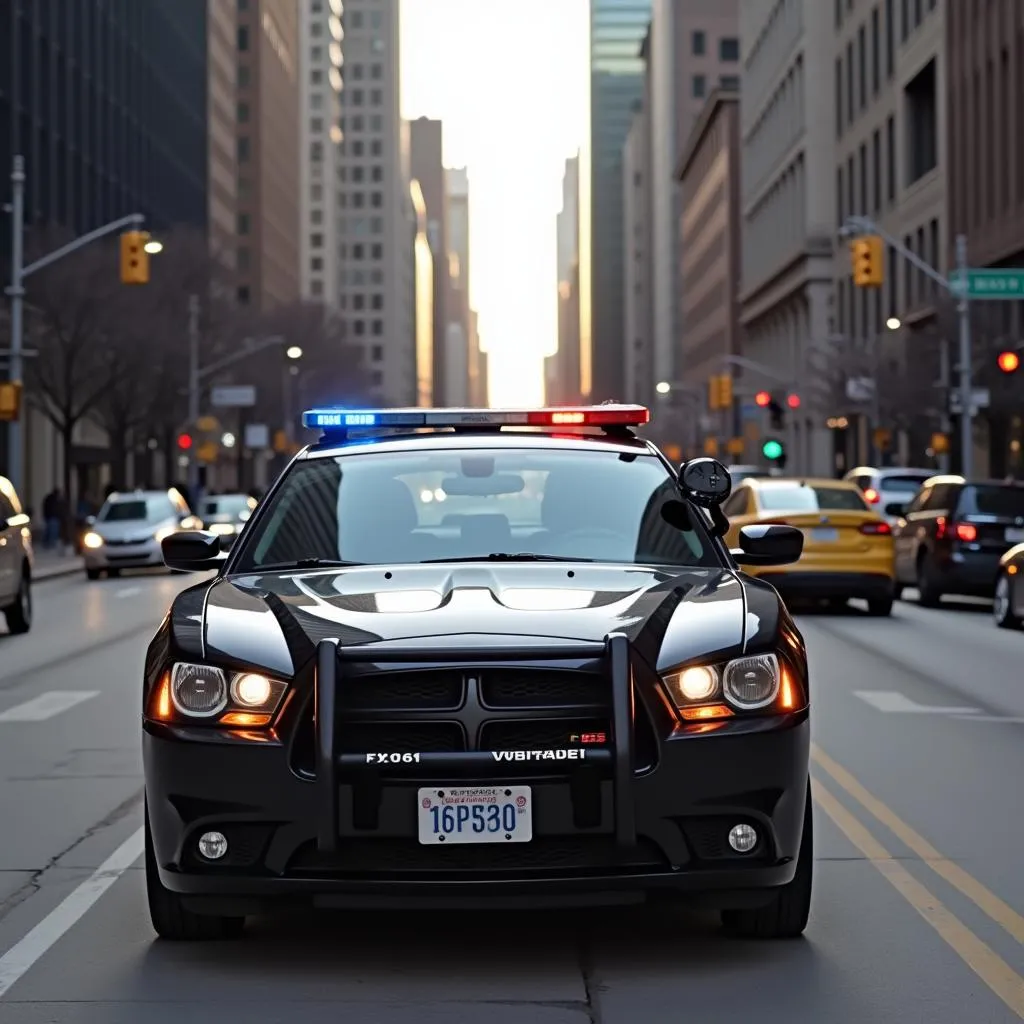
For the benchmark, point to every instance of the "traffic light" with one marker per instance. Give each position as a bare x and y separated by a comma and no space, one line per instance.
725,390
866,255
763,399
775,413
774,451
184,442
714,392
793,401
1009,362
134,258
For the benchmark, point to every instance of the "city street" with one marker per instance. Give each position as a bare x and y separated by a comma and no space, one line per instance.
919,899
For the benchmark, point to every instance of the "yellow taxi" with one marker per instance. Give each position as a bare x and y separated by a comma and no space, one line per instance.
848,547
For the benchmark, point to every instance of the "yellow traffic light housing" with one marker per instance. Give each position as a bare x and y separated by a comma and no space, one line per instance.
134,258
725,390
714,396
867,255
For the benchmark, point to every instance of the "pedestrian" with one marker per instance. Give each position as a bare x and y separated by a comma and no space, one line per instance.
51,518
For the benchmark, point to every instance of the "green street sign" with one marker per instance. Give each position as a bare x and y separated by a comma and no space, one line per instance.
991,284
771,449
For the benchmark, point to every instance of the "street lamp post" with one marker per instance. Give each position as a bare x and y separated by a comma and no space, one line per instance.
293,354
16,291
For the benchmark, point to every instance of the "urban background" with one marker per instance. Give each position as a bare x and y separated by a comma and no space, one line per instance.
760,236
299,242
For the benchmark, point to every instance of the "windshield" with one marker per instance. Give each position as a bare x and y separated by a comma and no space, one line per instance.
227,505
1005,502
122,511
908,485
439,505
805,498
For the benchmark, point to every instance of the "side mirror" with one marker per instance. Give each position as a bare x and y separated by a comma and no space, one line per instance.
769,545
895,508
706,482
192,551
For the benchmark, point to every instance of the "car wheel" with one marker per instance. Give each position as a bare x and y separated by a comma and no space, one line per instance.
1002,605
112,574
171,920
929,595
897,592
19,614
880,606
785,917
92,574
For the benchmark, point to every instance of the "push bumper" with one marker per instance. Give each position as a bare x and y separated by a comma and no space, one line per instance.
610,826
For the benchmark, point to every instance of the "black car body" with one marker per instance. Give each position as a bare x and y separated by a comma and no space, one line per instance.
553,682
951,537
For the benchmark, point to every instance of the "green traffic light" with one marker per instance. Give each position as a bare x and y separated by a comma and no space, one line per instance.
771,449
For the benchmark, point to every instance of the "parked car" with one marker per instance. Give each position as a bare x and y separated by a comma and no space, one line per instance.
888,486
226,514
16,560
953,535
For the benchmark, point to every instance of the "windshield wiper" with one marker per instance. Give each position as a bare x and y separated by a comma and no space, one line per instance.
505,556
305,563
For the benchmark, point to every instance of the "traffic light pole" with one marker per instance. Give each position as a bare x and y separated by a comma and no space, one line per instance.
16,291
765,371
865,225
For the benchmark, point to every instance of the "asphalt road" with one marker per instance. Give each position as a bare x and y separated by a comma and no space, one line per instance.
919,898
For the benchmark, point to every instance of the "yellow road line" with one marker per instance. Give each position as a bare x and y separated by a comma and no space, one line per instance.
999,911
988,965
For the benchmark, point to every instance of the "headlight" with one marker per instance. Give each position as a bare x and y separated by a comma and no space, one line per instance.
163,532
751,683
205,691
92,540
745,684
223,529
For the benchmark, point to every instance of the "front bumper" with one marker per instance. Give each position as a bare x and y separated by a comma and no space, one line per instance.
115,555
650,812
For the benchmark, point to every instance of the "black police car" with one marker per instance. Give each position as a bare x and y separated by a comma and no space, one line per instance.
479,655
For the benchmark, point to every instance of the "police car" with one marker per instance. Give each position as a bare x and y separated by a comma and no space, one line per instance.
479,657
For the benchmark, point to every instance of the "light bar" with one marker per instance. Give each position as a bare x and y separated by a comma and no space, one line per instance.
343,420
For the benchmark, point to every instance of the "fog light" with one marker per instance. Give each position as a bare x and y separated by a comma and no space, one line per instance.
742,838
213,845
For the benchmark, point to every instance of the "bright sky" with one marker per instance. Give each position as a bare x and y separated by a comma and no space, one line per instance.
509,80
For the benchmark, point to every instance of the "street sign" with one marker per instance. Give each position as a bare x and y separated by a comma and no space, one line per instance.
235,396
980,399
257,435
991,284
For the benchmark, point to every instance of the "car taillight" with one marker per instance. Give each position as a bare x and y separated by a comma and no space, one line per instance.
871,496
940,528
875,529
966,532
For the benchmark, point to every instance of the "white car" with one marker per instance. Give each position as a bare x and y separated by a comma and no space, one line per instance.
16,560
127,531
885,489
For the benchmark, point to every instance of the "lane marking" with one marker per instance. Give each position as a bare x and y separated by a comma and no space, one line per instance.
21,957
990,718
897,703
127,591
988,965
47,705
999,911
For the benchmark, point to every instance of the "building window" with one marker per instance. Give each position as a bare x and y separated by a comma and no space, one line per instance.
317,53
242,295
357,174
316,241
357,200
921,107
316,77
376,148
358,124
377,173
243,38
357,147
699,86
242,259
839,97
375,19
376,225
904,20
243,76
876,60
356,97
890,42
890,159
357,72
316,263
243,149
377,199
840,197
316,216
242,224
862,171
376,97
356,19
876,170
358,251
317,287
730,82
377,302
376,123
359,326
377,251
376,71
849,83
358,301
377,327
243,113
316,125
316,151
862,66
316,193
729,49
377,352
377,378
698,44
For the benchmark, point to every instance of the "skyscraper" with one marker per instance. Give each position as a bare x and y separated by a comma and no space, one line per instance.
221,114
617,30
378,228
320,39
268,152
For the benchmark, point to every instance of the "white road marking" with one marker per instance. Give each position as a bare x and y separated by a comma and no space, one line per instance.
127,592
46,705
990,718
891,701
20,958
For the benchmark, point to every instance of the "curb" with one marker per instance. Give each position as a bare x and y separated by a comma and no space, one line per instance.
55,574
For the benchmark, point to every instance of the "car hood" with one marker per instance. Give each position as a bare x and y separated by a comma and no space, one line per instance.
273,621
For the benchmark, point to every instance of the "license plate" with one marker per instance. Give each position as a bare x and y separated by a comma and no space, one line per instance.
826,534
1014,536
475,814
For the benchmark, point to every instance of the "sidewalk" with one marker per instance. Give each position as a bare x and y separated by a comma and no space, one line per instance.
58,562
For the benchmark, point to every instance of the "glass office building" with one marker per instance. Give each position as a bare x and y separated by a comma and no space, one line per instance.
617,32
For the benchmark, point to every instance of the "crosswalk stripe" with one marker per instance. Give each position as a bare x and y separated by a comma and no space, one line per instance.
47,705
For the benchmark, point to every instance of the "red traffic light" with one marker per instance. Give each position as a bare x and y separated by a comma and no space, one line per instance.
793,401
184,442
1008,361
763,398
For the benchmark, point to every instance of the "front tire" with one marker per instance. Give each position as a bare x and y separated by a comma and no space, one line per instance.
929,594
879,607
19,614
92,574
1002,604
171,920
785,917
